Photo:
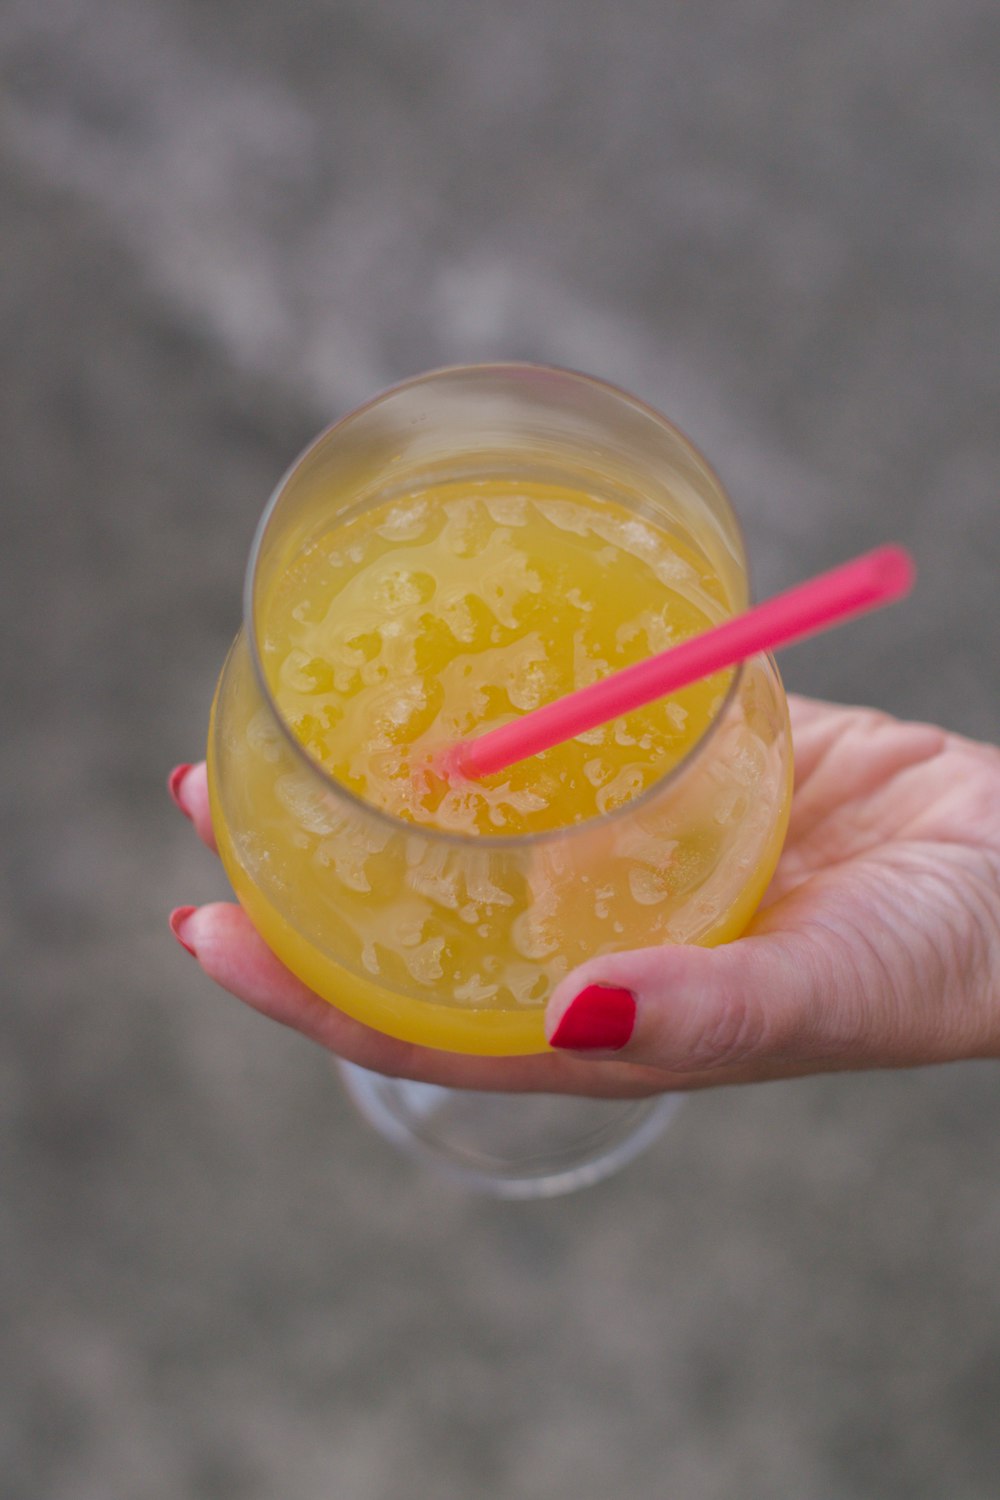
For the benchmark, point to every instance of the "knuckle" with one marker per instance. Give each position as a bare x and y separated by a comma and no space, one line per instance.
737,1030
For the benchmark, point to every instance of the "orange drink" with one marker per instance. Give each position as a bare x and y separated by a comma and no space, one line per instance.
465,548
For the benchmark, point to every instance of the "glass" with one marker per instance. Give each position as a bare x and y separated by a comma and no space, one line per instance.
362,905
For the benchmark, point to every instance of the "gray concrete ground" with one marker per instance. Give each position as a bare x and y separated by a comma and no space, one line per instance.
222,224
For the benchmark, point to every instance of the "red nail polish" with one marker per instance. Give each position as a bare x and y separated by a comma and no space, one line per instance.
601,1017
174,782
178,917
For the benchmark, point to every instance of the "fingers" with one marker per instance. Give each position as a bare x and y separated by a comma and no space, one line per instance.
225,943
775,1004
685,1010
806,711
188,786
232,953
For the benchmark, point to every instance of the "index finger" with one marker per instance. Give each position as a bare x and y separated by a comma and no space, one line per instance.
188,785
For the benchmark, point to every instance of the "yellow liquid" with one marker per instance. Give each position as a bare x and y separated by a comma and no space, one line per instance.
435,617
440,617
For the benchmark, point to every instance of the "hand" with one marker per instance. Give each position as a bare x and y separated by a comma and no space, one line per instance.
878,944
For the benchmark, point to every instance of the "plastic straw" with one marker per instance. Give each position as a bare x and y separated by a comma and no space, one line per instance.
865,583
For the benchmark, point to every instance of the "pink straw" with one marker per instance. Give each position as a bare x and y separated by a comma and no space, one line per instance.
865,583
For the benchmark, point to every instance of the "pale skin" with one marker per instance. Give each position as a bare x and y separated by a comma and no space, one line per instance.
877,946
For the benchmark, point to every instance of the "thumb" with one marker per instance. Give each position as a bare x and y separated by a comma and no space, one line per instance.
764,1006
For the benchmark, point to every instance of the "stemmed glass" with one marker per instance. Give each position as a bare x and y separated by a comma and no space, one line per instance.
361,904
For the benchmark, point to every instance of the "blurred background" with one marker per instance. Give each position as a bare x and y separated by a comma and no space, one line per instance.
223,224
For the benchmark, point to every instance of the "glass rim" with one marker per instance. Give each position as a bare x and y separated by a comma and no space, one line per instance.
508,841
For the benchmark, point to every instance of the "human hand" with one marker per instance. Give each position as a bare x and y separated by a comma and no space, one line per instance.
878,944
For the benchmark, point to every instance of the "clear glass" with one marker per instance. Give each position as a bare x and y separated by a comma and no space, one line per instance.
508,1145
340,888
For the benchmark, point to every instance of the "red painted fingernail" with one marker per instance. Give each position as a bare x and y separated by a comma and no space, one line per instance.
174,783
600,1017
178,917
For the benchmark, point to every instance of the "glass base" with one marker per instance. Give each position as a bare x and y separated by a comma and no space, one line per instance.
508,1145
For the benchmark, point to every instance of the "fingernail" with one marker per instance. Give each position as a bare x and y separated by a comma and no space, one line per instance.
178,917
601,1017
174,783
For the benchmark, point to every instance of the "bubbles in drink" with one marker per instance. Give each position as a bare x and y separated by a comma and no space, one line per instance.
405,522
424,961
621,789
311,806
303,673
264,736
648,887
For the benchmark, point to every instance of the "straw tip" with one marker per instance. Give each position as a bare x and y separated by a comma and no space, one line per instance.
895,569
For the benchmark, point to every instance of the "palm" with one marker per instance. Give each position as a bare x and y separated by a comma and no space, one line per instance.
867,785
893,850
